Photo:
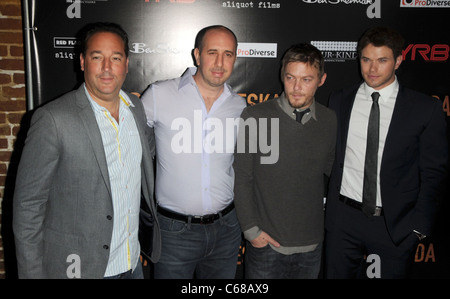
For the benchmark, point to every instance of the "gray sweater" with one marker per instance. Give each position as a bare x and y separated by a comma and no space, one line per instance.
285,199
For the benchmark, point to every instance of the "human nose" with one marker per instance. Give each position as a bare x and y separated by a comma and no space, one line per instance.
106,66
373,67
219,59
297,84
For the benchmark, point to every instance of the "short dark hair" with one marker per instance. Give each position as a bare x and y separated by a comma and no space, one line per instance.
305,53
201,34
382,36
94,28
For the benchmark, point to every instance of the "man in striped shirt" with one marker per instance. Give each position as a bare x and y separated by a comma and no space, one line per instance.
86,162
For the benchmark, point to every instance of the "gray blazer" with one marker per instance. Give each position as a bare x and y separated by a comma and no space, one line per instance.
62,202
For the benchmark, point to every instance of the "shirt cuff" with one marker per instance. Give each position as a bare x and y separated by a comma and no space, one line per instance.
252,233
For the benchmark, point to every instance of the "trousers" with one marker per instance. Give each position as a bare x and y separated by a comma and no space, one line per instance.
266,263
203,251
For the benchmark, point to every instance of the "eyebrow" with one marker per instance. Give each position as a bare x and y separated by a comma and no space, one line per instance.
383,57
217,50
292,75
100,52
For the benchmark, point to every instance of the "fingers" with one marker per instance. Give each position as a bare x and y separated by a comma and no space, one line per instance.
263,239
272,241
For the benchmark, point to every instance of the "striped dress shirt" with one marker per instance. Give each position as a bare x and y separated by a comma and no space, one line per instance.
123,152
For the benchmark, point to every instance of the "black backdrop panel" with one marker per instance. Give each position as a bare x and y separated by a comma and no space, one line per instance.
162,36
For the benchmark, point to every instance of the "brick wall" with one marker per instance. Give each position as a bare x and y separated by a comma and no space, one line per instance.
12,109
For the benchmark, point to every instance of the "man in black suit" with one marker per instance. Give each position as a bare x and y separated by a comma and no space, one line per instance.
382,202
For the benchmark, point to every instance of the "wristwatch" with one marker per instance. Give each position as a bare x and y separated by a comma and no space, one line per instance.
419,235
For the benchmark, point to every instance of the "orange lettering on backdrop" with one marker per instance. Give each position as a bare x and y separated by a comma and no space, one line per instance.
425,255
253,98
445,105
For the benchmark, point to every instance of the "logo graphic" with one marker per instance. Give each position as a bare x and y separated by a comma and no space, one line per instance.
337,51
173,1
142,48
406,3
65,42
74,9
257,50
373,10
433,53
425,3
364,2
74,268
220,136
64,46
374,269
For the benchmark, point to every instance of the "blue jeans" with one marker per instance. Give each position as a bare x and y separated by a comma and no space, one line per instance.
204,251
266,263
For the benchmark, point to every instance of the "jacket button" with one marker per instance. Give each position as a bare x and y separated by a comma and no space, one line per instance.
105,247
109,217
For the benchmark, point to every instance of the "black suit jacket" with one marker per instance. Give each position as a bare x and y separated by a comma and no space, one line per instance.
414,162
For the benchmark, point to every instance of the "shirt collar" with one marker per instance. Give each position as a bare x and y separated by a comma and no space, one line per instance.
188,79
385,93
286,107
123,97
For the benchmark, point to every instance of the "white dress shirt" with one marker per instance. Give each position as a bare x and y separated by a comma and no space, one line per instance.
353,175
194,147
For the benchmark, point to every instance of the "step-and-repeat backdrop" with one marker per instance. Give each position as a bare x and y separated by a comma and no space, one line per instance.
162,34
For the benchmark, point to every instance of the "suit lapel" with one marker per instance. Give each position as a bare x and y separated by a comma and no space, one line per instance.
147,162
399,115
348,98
90,124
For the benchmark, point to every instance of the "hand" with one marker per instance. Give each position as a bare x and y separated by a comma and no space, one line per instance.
262,240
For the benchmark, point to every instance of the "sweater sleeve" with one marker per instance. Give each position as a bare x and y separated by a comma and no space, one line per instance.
243,168
332,151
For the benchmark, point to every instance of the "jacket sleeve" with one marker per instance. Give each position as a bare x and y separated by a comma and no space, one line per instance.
433,164
33,183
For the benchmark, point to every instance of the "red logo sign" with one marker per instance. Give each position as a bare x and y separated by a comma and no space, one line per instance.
439,52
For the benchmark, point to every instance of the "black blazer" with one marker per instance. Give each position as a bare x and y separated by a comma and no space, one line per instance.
413,166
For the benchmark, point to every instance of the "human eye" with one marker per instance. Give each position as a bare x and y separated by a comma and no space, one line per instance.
229,54
289,77
95,55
